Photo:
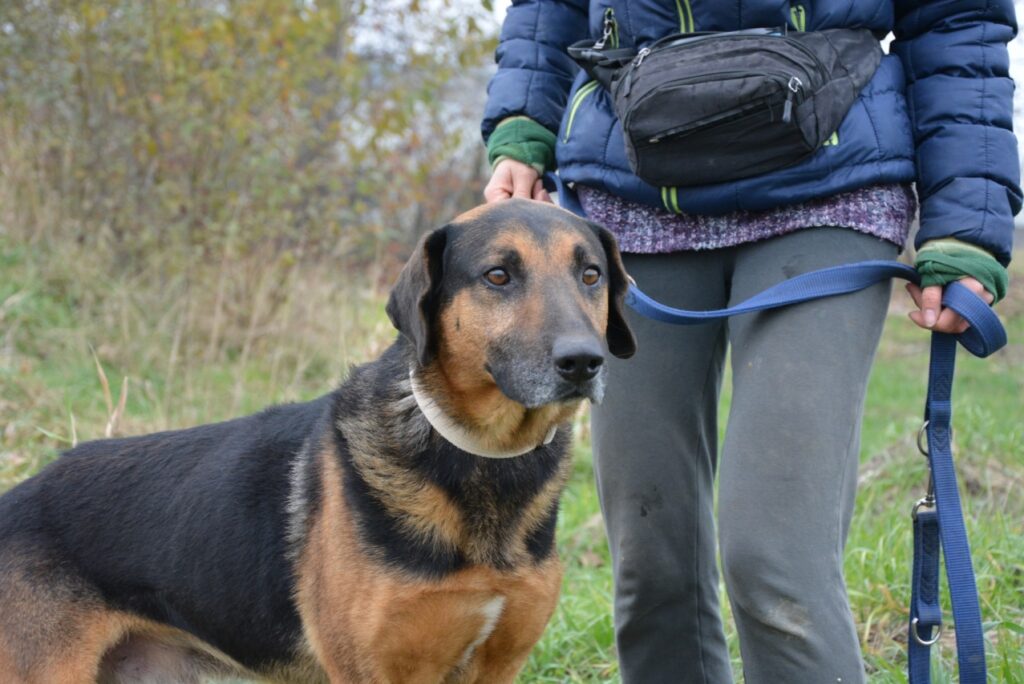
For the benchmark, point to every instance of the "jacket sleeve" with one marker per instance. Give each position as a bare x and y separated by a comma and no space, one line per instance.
961,102
535,71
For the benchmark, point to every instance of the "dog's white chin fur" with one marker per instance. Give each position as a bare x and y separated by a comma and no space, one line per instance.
458,435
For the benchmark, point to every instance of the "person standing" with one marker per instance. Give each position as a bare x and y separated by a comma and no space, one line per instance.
935,117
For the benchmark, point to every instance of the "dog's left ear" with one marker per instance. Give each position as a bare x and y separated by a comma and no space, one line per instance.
412,306
621,342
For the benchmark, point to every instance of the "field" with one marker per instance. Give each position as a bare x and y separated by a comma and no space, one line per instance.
86,350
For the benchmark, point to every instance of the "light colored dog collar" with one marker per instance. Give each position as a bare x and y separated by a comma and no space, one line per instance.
458,435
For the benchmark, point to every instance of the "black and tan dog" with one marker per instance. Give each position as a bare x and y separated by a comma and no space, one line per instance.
373,535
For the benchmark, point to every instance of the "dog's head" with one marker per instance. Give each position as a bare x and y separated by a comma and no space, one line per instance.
518,297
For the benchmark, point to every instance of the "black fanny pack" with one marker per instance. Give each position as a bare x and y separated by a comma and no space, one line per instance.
700,108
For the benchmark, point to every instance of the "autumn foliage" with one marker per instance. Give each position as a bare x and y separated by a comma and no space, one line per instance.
333,128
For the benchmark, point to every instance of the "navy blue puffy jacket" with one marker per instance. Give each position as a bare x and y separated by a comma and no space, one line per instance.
938,111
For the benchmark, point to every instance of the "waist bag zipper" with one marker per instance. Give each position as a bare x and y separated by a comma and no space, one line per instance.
629,74
793,87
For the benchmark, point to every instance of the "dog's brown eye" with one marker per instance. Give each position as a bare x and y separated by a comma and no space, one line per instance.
497,276
591,275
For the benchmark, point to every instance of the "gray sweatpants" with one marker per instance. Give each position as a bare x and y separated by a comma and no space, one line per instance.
788,466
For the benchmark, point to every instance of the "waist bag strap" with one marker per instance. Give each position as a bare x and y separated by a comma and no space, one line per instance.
941,525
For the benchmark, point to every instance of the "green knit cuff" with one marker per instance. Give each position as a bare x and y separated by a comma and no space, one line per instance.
943,261
524,140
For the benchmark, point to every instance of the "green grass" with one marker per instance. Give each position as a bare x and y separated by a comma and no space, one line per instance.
290,334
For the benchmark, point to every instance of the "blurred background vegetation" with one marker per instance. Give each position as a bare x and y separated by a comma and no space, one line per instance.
213,128
196,184
202,205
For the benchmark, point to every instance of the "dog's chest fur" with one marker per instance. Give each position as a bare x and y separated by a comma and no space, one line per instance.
400,538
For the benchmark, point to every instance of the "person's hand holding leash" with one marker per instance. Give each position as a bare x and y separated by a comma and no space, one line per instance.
931,315
513,178
944,261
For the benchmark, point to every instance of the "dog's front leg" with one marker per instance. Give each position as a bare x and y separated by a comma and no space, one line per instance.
530,601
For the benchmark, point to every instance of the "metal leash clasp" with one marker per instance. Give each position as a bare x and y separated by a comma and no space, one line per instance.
928,501
929,498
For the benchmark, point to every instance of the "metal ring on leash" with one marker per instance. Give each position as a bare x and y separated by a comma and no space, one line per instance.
917,637
922,443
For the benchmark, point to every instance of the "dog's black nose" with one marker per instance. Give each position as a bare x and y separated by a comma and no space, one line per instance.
578,359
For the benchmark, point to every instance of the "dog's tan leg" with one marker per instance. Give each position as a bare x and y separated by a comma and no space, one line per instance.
53,629
425,638
530,601
434,636
79,661
69,653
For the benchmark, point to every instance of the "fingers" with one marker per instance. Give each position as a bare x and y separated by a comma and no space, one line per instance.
931,314
512,179
500,186
915,293
977,288
950,321
523,178
539,193
931,304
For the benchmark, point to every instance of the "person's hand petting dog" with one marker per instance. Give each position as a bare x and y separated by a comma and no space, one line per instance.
513,178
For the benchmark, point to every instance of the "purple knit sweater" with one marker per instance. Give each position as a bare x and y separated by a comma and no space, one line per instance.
884,211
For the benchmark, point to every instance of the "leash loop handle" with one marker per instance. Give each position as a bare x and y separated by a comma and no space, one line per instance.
985,336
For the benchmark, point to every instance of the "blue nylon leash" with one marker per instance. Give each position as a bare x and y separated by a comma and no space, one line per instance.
938,518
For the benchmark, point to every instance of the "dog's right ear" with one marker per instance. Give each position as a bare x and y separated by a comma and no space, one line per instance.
620,339
412,306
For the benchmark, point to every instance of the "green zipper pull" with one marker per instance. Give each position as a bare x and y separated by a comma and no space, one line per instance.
798,14
608,30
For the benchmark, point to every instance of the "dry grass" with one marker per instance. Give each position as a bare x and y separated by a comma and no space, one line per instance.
180,346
